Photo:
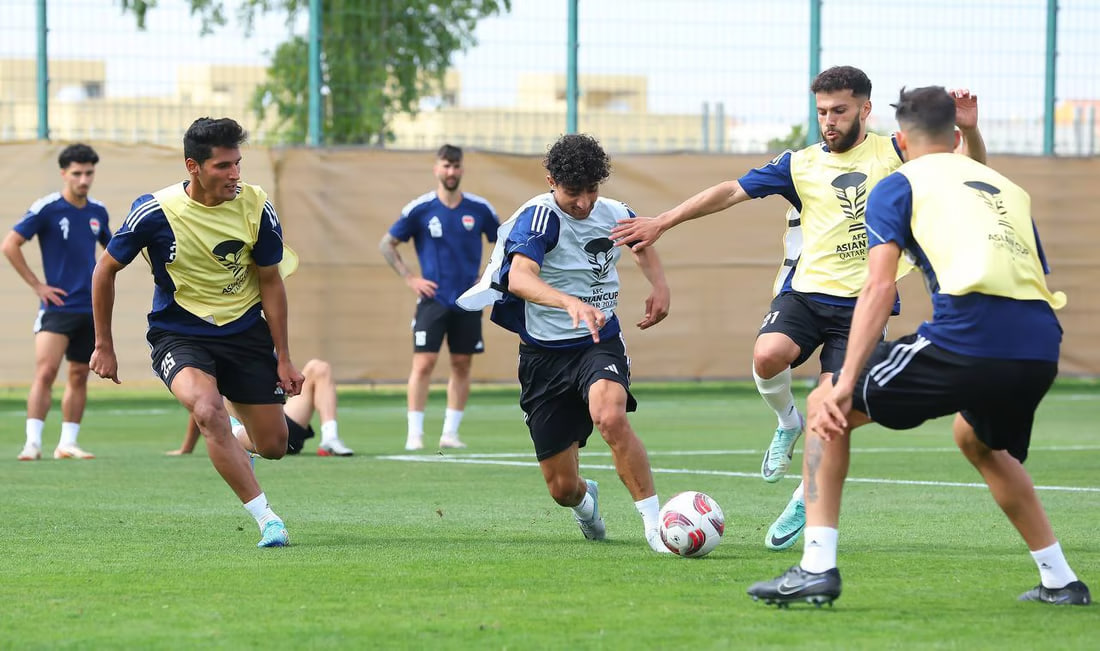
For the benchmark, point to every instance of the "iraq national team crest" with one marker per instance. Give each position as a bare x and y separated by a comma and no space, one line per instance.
94,224
468,222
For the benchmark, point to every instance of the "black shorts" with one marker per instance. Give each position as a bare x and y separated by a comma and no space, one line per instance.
296,436
77,326
911,380
811,324
433,320
554,391
243,364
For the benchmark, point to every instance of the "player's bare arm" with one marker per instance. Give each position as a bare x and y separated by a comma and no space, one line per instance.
421,286
104,362
273,298
876,301
966,119
524,282
641,232
12,247
659,299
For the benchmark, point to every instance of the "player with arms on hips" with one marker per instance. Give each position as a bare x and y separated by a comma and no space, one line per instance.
554,273
68,224
219,320
988,355
825,251
446,227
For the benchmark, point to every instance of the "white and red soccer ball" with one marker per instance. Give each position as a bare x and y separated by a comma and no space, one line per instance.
691,524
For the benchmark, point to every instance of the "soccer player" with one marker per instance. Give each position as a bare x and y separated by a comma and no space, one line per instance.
68,225
989,354
318,395
446,226
214,245
825,256
556,266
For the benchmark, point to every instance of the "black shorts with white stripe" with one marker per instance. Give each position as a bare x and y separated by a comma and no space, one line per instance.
554,388
911,380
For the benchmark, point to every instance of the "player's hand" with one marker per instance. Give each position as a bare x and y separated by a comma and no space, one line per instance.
290,379
827,411
104,363
590,316
966,108
50,295
656,307
177,453
423,288
637,233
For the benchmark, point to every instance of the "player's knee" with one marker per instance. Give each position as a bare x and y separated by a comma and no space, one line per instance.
612,423
769,362
45,374
208,412
78,376
968,443
271,449
317,369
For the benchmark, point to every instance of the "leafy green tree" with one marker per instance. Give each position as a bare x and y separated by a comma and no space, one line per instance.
795,139
378,58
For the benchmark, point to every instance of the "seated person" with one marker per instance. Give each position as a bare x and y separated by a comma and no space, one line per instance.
318,394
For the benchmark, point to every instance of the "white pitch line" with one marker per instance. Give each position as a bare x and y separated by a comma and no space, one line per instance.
754,452
719,473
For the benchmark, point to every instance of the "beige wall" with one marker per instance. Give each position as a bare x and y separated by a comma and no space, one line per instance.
350,308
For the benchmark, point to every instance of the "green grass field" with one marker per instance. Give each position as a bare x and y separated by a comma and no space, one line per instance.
467,550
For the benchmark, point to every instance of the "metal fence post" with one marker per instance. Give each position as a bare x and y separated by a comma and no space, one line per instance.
43,81
571,72
314,118
812,134
1051,63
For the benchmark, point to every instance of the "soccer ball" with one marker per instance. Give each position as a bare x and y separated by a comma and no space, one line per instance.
691,524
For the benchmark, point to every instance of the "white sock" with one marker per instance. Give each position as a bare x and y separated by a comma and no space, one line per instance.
34,431
416,423
797,494
819,550
259,509
329,432
451,421
649,508
776,392
68,434
1054,571
586,508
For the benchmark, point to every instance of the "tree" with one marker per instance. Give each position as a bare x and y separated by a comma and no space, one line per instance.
795,140
378,58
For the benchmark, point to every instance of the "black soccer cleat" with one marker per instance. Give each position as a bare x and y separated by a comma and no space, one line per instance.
1072,594
796,584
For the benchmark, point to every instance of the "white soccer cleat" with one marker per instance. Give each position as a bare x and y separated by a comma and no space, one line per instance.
653,537
71,452
593,528
31,452
414,442
451,441
334,448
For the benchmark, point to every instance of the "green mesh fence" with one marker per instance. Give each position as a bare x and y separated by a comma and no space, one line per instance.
654,75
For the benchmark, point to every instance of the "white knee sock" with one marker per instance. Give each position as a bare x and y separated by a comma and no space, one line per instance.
259,509
34,431
69,432
329,431
451,421
416,423
797,494
1054,571
819,550
649,508
586,508
776,391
